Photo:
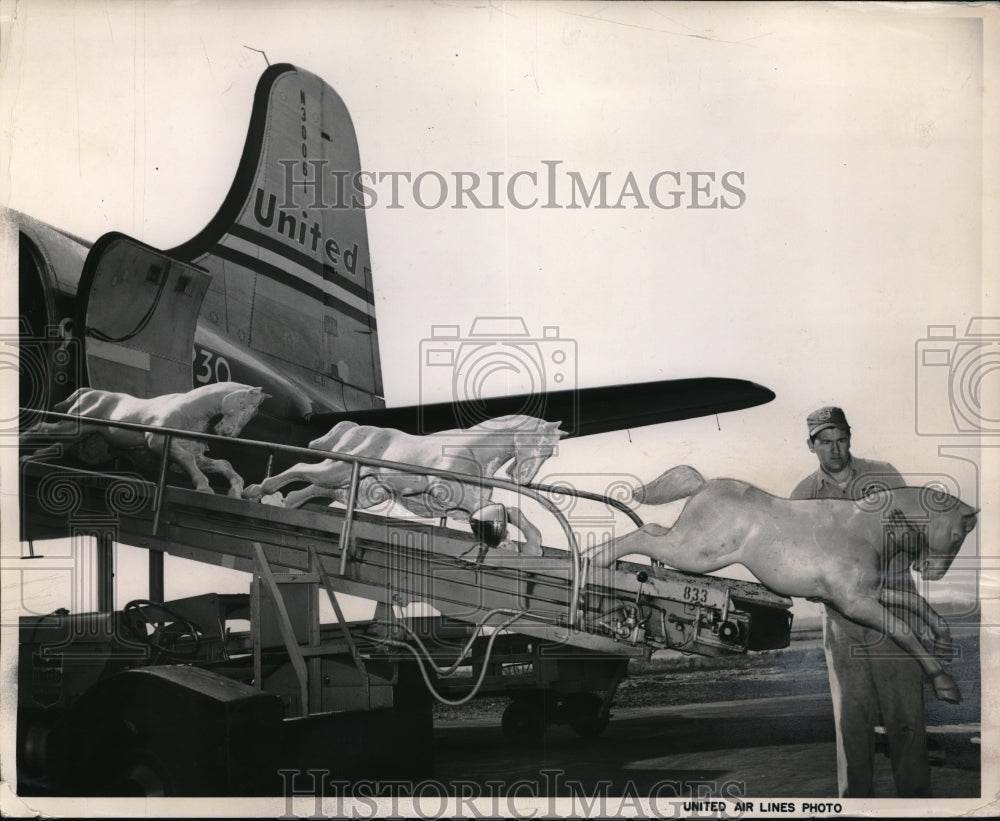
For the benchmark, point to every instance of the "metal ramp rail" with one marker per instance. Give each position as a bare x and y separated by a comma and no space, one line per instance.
628,610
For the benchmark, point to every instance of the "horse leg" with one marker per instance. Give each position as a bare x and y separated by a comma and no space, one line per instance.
297,498
666,545
189,462
870,612
328,472
395,484
642,541
921,610
533,536
221,466
44,453
69,432
64,427
185,458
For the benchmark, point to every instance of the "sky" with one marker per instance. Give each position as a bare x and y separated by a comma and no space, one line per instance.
858,141
852,137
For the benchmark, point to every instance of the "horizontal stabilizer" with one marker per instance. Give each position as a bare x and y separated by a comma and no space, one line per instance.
582,412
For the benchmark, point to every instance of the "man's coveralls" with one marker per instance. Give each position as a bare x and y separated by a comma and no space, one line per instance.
869,673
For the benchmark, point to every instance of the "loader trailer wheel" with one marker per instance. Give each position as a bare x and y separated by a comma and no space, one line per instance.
584,711
524,722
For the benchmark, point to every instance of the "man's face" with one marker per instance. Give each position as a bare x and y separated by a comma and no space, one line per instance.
833,448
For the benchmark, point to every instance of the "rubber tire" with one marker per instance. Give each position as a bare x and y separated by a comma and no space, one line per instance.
586,707
524,722
144,775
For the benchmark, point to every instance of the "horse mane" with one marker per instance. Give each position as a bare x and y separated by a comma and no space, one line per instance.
898,519
519,423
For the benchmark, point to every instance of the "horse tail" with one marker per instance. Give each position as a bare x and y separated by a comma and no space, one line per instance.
676,483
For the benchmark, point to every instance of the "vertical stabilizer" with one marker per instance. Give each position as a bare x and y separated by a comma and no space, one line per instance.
288,253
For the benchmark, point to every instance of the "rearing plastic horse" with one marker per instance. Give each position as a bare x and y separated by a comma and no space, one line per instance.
194,410
480,450
830,550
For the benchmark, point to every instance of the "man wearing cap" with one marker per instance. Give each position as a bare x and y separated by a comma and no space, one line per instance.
870,675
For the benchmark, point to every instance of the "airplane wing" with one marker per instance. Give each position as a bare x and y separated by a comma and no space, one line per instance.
582,412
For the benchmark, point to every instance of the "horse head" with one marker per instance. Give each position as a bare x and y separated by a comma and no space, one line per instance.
945,535
531,448
940,529
238,408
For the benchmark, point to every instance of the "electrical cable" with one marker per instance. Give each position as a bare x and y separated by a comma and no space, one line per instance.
445,672
482,673
142,323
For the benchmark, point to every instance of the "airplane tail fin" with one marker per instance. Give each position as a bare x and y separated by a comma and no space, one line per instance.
288,249
676,483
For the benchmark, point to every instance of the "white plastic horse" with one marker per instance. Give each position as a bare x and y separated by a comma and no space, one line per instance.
479,450
831,550
193,411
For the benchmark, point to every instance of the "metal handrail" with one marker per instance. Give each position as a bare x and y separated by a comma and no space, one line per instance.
352,499
532,491
587,494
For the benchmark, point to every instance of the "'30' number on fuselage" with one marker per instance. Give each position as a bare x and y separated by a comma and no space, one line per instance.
210,368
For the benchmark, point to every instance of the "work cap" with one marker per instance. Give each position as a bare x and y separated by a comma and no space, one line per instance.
828,417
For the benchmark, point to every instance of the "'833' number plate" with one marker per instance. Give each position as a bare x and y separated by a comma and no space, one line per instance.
704,595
